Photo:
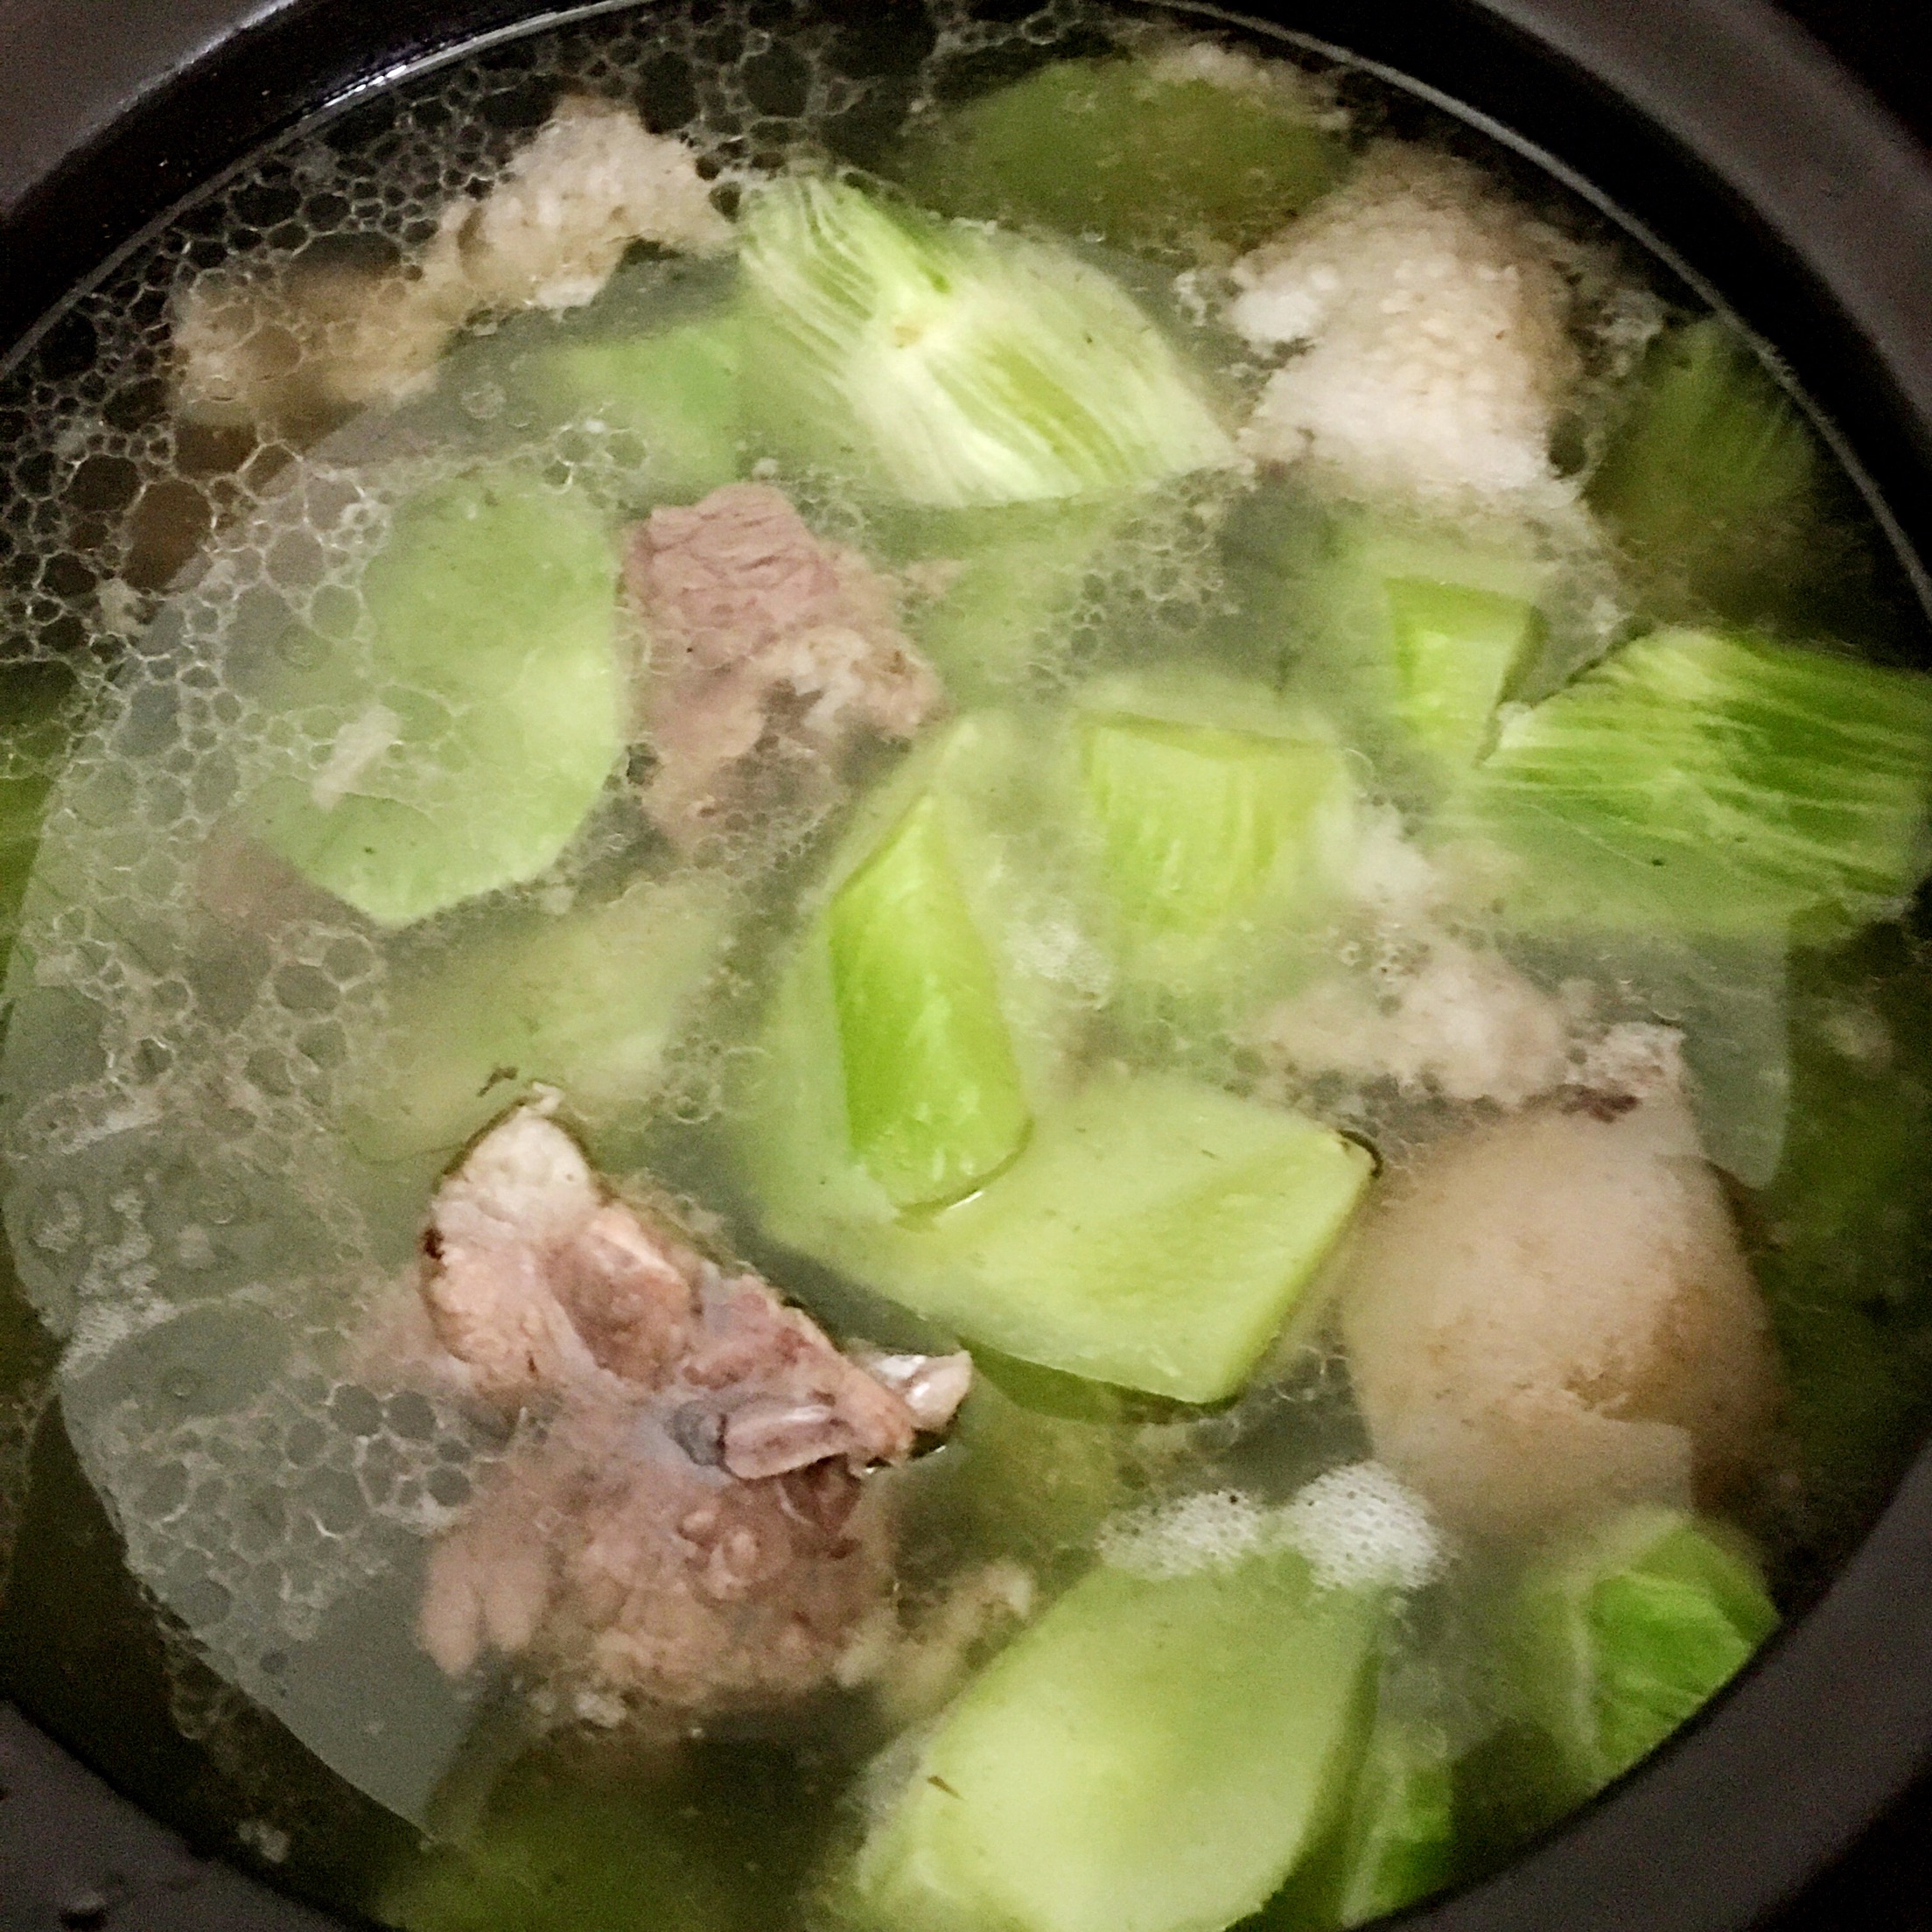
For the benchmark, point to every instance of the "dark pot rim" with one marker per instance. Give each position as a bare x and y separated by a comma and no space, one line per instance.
1727,135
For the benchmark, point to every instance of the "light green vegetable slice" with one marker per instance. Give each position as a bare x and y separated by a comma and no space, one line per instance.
1712,480
1151,1756
1155,1232
1201,154
1004,585
677,392
1398,1844
1632,1630
466,732
1196,823
949,365
934,1101
1715,783
1457,648
586,1001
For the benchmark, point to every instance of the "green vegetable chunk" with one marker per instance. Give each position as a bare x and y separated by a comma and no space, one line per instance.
1629,1632
1847,1274
933,1096
1712,480
676,391
951,365
586,1001
1170,153
1155,1232
470,724
1399,1842
1456,650
1713,783
1394,1843
1151,1756
1196,823
1006,582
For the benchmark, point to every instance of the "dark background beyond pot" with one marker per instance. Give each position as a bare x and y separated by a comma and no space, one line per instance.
74,1857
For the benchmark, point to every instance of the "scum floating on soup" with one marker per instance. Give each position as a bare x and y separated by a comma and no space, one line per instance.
962,978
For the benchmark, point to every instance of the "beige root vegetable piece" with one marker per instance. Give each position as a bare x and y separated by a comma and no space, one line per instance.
292,349
1430,324
1551,1316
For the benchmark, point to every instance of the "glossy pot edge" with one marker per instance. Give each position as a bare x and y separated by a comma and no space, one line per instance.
1814,210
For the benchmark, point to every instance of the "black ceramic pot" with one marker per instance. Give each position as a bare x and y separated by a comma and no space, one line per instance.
1741,148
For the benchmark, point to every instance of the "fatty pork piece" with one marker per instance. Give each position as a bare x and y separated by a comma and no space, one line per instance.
1430,322
292,348
682,1520
760,638
1551,1316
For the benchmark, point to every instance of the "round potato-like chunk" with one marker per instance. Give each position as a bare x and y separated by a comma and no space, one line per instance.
1552,1316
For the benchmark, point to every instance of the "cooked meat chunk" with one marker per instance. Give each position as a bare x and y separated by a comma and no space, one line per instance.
290,349
756,632
615,1565
499,1232
1432,323
682,1520
293,350
590,182
931,1386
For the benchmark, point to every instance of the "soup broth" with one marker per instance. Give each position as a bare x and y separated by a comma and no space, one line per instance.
963,976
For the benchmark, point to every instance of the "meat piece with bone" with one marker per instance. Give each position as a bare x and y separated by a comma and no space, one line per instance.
760,636
682,1520
293,346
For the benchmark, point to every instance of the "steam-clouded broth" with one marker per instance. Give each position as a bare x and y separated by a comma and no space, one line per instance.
962,978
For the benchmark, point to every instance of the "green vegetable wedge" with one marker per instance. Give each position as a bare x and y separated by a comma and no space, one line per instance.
934,1101
951,365
586,1001
1200,154
463,733
1151,1756
1632,1630
1708,783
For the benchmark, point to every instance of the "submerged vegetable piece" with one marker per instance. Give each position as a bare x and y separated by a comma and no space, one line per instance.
1399,1841
1712,481
949,365
587,1001
1846,1258
1001,586
1553,1314
1034,1463
676,391
471,724
1457,649
1394,1843
1156,1232
1631,1630
1715,783
932,1094
1196,823
1153,1755
1412,630
1197,148
589,1833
